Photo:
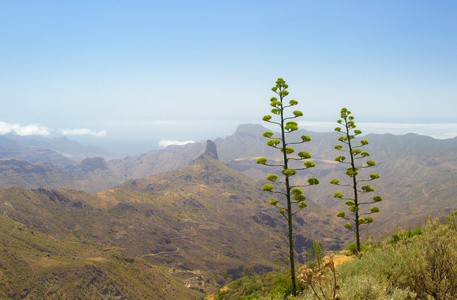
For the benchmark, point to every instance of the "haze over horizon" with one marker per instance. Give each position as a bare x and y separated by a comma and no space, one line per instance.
127,75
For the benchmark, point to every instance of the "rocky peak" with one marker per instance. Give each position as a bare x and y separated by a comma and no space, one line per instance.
254,130
211,149
93,163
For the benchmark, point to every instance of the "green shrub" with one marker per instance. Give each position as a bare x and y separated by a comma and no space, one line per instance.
256,287
283,286
353,248
401,234
432,261
395,238
371,288
221,295
422,262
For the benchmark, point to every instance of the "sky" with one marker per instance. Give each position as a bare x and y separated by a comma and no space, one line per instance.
128,75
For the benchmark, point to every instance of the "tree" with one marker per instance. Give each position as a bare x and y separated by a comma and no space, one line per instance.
318,251
292,194
224,273
216,276
354,203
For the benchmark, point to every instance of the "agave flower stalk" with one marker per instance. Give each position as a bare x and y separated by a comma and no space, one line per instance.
292,194
355,156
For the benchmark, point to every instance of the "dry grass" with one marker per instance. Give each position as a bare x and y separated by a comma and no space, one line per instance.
341,258
43,262
96,258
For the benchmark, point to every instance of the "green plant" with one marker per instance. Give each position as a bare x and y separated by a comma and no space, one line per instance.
310,263
451,219
318,250
423,266
254,287
216,276
368,287
292,193
401,234
221,295
224,273
434,264
353,248
283,286
354,203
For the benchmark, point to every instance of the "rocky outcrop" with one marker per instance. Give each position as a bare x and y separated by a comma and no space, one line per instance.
211,149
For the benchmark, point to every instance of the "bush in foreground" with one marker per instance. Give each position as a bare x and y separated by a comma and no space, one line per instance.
416,266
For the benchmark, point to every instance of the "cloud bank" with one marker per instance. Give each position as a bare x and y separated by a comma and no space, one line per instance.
435,130
165,143
83,131
26,130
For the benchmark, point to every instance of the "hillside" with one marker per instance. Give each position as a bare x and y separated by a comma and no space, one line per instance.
37,162
90,174
70,149
9,148
227,214
157,161
58,151
417,172
190,222
33,167
50,250
411,264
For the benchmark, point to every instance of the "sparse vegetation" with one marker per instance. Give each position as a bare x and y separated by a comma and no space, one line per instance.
34,265
291,192
421,266
272,285
63,244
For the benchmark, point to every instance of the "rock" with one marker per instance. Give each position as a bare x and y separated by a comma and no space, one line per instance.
211,149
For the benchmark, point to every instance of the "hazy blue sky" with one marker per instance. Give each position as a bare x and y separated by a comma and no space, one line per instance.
142,71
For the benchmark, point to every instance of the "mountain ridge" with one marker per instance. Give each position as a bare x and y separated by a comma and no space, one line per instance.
60,150
415,170
198,219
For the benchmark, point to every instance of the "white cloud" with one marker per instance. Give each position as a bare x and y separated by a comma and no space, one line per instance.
165,143
83,131
30,129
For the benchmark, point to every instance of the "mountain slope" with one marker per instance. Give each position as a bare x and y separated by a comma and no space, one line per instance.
90,174
157,161
49,169
50,250
10,148
70,149
417,172
225,217
199,219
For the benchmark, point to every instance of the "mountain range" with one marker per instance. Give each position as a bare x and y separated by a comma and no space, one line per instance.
59,151
417,172
183,213
196,220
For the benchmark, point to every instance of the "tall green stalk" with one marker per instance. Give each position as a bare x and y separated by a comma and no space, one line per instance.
293,195
354,203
